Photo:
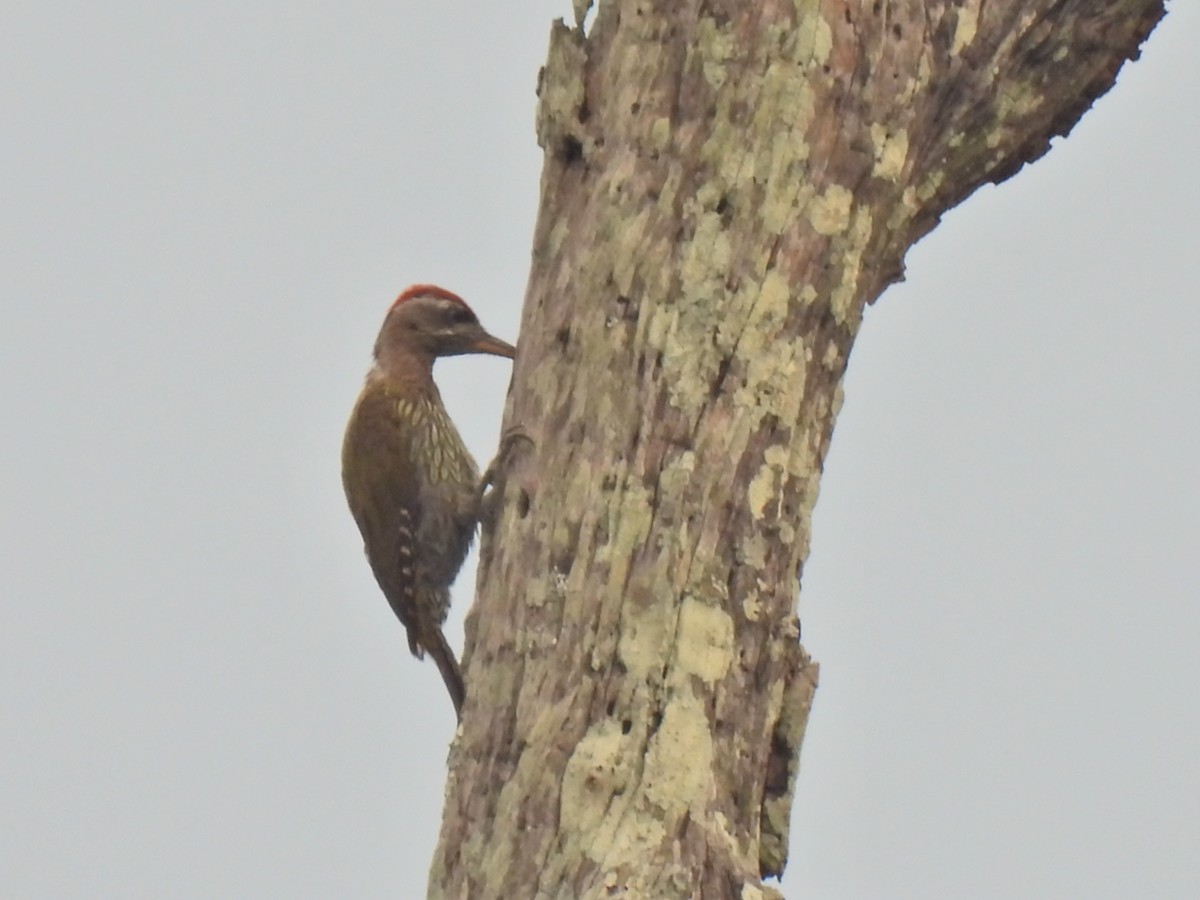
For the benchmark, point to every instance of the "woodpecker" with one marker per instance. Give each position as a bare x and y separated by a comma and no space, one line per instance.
411,484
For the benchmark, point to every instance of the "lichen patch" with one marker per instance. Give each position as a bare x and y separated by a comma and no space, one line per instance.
843,301
965,26
763,487
643,640
814,40
891,151
679,759
704,641
599,766
829,212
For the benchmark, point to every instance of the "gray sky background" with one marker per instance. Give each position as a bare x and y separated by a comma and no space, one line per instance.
206,210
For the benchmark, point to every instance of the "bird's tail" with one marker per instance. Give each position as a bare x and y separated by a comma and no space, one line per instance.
435,643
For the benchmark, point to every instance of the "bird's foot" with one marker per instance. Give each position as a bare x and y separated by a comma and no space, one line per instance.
491,485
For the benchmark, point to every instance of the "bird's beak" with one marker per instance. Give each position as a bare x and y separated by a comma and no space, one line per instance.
490,344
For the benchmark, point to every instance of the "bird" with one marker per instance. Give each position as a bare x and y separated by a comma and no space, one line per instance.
412,486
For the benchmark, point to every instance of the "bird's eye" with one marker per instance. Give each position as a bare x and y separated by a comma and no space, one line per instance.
461,315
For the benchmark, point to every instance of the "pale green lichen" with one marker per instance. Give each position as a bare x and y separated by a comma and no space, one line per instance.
678,775
775,375
843,301
814,37
764,487
538,590
644,640
775,178
891,151
928,188
775,369
689,357
660,134
783,111
776,813
752,553
703,641
752,606
965,25
676,473
831,357
715,45
619,825
561,90
626,254
829,212
1018,100
774,296
598,768
740,846
808,500
629,514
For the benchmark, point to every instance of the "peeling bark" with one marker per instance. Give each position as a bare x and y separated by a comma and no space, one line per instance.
726,186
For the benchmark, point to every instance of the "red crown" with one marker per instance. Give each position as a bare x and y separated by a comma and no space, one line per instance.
428,290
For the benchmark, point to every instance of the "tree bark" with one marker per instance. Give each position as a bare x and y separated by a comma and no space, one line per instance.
726,186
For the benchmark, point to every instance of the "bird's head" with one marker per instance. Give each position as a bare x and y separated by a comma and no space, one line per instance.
426,322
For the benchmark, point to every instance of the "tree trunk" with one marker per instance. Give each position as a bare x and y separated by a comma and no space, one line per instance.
726,186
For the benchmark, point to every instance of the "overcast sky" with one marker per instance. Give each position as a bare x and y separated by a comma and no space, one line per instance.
205,211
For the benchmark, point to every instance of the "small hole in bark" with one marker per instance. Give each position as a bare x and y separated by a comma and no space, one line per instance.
563,566
626,726
584,112
846,16
897,31
635,108
563,337
611,708
570,150
523,504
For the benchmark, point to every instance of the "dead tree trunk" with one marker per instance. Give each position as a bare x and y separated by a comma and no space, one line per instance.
726,186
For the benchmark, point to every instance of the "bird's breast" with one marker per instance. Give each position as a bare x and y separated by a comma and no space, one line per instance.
437,447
